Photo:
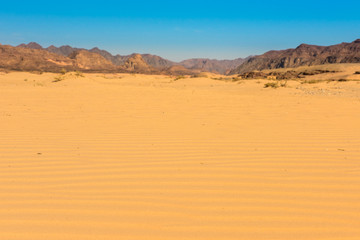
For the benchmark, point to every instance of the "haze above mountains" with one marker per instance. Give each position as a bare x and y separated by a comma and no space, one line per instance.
32,56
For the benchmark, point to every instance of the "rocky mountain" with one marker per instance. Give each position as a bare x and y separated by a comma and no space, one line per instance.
157,62
208,65
117,60
137,64
29,59
91,61
212,65
303,55
179,70
26,59
32,45
63,50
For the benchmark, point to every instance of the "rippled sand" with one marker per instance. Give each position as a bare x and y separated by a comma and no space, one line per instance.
145,157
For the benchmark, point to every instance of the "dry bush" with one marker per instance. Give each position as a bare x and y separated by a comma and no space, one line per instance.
63,71
58,78
179,77
200,75
271,85
310,81
78,74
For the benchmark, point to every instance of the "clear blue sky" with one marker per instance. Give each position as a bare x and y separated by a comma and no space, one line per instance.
181,29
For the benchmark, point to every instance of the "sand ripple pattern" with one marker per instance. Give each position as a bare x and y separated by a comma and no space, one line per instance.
101,161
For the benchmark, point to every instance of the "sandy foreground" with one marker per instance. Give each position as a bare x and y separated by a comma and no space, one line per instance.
147,157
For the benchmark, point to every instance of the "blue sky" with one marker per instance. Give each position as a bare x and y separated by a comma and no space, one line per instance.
179,30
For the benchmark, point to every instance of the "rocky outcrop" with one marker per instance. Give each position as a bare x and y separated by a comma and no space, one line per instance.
26,59
137,64
303,55
212,65
89,61
286,75
157,62
29,59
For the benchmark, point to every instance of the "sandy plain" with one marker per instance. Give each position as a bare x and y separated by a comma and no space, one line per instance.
121,156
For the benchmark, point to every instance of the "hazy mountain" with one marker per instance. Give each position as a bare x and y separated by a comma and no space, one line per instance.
32,45
303,55
212,65
208,65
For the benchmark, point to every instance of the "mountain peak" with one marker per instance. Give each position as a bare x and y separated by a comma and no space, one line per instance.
32,45
303,46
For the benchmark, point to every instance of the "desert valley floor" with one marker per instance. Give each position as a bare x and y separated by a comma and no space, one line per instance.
126,156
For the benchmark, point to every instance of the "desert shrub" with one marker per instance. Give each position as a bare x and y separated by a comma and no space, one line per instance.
310,81
58,78
271,84
235,79
179,77
63,71
226,79
283,83
78,74
357,72
200,75
342,80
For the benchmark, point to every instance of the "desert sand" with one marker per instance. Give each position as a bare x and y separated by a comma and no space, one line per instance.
116,156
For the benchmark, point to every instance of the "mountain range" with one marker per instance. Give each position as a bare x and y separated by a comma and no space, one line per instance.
303,55
33,57
200,64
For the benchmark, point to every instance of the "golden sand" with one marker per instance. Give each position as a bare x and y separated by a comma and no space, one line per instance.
146,157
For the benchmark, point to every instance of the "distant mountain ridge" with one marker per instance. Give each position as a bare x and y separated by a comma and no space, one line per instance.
96,59
208,65
213,65
303,55
34,58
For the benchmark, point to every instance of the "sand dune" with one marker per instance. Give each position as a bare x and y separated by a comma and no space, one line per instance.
147,157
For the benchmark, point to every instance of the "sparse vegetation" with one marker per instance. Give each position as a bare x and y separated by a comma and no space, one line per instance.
342,80
271,85
327,81
276,84
357,72
223,78
310,81
179,77
283,83
63,71
58,78
235,79
78,74
38,84
200,75
37,72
